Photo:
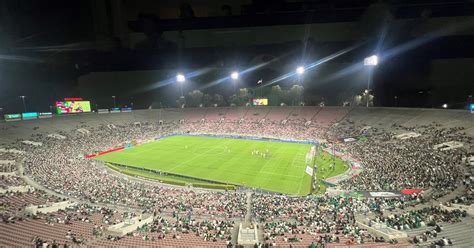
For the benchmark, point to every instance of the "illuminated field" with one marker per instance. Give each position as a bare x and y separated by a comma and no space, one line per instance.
223,160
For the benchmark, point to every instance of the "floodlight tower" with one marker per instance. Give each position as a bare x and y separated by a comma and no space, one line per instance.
180,78
23,100
113,97
234,76
370,62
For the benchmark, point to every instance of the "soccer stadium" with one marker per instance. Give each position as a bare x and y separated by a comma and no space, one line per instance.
300,123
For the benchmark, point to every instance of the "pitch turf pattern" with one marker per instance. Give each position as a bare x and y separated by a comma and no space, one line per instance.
224,160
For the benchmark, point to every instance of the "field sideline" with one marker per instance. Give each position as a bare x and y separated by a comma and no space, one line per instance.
224,160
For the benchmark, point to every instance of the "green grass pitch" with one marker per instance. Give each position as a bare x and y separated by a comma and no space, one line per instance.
224,160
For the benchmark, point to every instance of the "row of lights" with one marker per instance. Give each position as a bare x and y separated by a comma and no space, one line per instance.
180,78
369,61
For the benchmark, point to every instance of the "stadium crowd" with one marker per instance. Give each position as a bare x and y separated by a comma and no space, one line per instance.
389,164
295,129
394,164
428,216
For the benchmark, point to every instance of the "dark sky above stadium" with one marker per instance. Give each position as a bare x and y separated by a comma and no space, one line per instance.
46,47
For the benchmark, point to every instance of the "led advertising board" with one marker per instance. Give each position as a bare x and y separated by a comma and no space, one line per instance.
29,116
12,117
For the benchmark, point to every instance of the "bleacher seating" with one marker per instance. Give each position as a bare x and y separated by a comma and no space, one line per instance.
185,240
279,113
215,114
21,232
329,115
305,113
256,113
235,114
194,114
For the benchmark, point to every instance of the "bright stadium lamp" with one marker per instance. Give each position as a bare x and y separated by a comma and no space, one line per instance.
371,61
180,78
234,75
23,100
445,105
300,70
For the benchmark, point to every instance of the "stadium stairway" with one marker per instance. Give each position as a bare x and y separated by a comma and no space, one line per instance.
460,233
248,215
316,113
346,114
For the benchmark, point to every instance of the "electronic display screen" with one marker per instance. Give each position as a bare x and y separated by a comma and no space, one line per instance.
259,101
73,107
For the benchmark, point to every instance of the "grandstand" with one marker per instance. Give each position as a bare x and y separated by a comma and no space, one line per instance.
303,113
87,224
278,113
377,117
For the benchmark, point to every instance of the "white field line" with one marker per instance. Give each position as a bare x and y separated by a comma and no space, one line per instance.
277,174
266,163
197,156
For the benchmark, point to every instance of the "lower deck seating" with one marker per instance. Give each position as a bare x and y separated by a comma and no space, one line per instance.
22,232
184,240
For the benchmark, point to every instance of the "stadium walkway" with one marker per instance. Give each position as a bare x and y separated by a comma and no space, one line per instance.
248,214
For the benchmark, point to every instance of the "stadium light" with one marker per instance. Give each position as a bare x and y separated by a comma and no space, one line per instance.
115,105
180,78
445,106
23,100
234,75
371,61
300,70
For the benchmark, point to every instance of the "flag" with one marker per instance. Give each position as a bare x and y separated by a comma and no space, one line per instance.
260,81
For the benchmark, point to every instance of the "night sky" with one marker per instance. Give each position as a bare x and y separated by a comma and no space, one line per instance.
95,49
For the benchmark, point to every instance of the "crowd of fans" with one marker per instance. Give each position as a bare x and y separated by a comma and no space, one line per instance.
329,217
174,228
294,129
394,164
388,164
429,216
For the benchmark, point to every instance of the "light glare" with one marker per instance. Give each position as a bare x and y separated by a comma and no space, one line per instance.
234,75
300,70
371,61
180,78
